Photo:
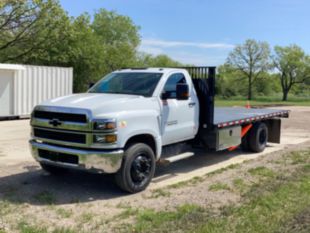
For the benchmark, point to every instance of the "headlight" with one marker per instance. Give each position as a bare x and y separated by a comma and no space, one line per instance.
104,124
109,138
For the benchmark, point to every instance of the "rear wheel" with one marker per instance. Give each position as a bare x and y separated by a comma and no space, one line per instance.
258,137
245,143
138,168
53,169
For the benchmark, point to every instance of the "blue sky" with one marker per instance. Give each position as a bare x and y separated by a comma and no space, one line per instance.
203,32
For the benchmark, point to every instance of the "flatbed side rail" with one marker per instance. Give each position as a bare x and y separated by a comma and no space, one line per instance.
250,120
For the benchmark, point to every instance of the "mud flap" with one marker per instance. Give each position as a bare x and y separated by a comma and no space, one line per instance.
274,130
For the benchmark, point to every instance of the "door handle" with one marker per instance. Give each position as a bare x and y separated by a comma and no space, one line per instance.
192,104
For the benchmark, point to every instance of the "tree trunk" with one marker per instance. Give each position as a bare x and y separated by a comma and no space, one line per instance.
285,94
250,89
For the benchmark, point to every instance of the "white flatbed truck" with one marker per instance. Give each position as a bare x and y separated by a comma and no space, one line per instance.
133,119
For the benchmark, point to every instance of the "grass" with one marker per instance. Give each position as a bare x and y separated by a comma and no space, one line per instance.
86,217
63,213
262,172
25,227
150,220
221,170
297,223
242,103
45,197
266,213
278,203
160,193
198,179
128,212
193,181
299,157
239,184
218,186
5,208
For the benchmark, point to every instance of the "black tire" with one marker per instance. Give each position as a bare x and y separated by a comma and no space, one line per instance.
245,143
258,137
137,169
53,169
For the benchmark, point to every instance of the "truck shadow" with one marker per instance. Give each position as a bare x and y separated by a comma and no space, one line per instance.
34,186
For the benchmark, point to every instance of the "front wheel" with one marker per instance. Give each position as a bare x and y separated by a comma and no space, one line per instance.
137,169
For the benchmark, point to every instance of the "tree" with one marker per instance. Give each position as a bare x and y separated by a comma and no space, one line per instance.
86,54
39,32
293,65
28,28
252,59
148,60
120,38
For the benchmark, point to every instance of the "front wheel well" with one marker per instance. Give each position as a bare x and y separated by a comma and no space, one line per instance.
142,138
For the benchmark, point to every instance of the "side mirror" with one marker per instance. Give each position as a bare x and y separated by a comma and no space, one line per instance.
164,96
90,85
182,91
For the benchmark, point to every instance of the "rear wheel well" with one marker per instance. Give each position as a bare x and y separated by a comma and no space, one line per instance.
142,138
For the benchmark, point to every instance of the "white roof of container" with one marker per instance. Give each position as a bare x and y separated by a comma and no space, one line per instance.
11,67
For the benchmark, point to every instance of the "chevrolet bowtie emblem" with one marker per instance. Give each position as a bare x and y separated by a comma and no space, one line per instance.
55,122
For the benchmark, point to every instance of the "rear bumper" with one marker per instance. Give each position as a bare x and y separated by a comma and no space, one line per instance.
105,161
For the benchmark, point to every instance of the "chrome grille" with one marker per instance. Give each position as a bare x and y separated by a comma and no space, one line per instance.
61,116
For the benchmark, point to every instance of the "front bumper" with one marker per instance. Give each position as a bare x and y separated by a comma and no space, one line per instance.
103,161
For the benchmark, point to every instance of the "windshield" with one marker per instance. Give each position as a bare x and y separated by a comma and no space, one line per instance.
128,83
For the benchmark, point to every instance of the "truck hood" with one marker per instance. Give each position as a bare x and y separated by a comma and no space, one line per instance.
101,104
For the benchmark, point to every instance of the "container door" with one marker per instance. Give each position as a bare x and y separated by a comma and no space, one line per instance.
6,87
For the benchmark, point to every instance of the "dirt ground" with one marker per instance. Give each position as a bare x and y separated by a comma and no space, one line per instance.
90,201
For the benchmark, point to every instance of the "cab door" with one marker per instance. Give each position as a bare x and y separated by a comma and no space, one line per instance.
179,117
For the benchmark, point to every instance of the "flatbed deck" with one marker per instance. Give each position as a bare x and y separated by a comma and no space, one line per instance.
228,116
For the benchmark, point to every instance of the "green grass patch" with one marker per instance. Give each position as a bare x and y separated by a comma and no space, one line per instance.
239,184
5,208
160,193
24,227
275,204
152,221
63,213
199,179
300,157
267,213
218,186
64,230
128,212
261,171
221,170
193,181
86,217
299,223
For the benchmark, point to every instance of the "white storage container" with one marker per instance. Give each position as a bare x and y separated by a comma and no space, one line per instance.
24,86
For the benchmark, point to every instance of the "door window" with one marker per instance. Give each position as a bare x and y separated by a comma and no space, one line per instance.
170,88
